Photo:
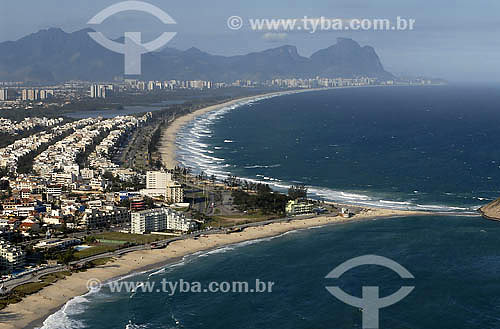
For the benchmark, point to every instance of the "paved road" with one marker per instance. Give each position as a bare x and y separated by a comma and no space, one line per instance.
35,276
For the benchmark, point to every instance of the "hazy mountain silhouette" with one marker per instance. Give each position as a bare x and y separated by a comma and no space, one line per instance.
54,55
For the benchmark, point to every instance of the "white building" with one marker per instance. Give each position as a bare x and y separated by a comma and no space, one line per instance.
161,219
147,221
160,183
5,94
157,180
95,218
11,257
87,174
174,193
298,208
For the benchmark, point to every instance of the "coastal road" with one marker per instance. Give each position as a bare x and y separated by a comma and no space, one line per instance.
35,276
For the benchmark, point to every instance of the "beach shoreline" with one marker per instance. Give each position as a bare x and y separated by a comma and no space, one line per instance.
34,310
167,145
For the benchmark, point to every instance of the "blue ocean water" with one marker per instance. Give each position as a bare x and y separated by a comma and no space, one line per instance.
431,148
454,260
420,148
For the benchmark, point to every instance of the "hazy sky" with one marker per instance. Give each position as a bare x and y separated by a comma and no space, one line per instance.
453,39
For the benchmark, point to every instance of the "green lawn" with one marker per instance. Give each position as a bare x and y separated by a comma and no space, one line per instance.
100,261
227,221
131,238
95,250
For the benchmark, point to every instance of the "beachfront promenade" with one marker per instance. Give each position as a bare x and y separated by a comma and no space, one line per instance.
37,275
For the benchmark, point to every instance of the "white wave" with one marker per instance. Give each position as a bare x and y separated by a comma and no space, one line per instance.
394,202
62,319
221,250
262,166
193,152
131,325
354,196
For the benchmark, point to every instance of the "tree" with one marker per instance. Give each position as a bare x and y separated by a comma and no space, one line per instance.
67,257
297,192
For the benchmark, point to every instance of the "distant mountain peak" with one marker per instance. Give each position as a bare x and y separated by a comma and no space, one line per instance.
347,41
66,56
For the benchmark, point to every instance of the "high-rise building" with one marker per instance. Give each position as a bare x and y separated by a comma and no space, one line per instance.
161,183
100,91
93,91
4,94
157,179
147,221
45,94
30,94
174,193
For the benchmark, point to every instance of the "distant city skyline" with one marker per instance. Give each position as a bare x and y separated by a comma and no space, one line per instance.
454,40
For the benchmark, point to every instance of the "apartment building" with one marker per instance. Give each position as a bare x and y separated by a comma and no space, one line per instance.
11,257
161,219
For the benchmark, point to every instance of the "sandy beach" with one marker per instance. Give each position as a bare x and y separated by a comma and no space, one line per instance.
33,310
167,145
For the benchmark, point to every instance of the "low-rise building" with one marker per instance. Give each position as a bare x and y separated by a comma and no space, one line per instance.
57,243
94,218
294,208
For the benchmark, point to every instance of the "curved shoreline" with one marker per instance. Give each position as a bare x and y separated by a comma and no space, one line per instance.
33,310
167,146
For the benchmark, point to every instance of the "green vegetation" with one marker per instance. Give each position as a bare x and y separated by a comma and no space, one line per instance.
297,192
95,250
228,221
99,262
265,200
130,238
18,293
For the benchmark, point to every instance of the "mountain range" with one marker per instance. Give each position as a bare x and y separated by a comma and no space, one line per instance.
53,55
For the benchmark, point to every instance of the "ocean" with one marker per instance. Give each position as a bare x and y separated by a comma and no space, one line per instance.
426,148
454,260
419,148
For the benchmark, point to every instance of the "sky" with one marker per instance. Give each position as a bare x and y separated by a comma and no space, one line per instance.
452,39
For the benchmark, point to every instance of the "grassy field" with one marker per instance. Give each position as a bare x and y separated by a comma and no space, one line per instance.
131,238
115,240
100,261
96,250
226,221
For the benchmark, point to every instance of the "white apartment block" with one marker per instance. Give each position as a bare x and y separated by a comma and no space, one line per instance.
147,221
11,257
95,218
161,219
157,180
174,193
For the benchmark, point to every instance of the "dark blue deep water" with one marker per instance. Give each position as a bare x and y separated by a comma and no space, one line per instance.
406,147
455,262
420,148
